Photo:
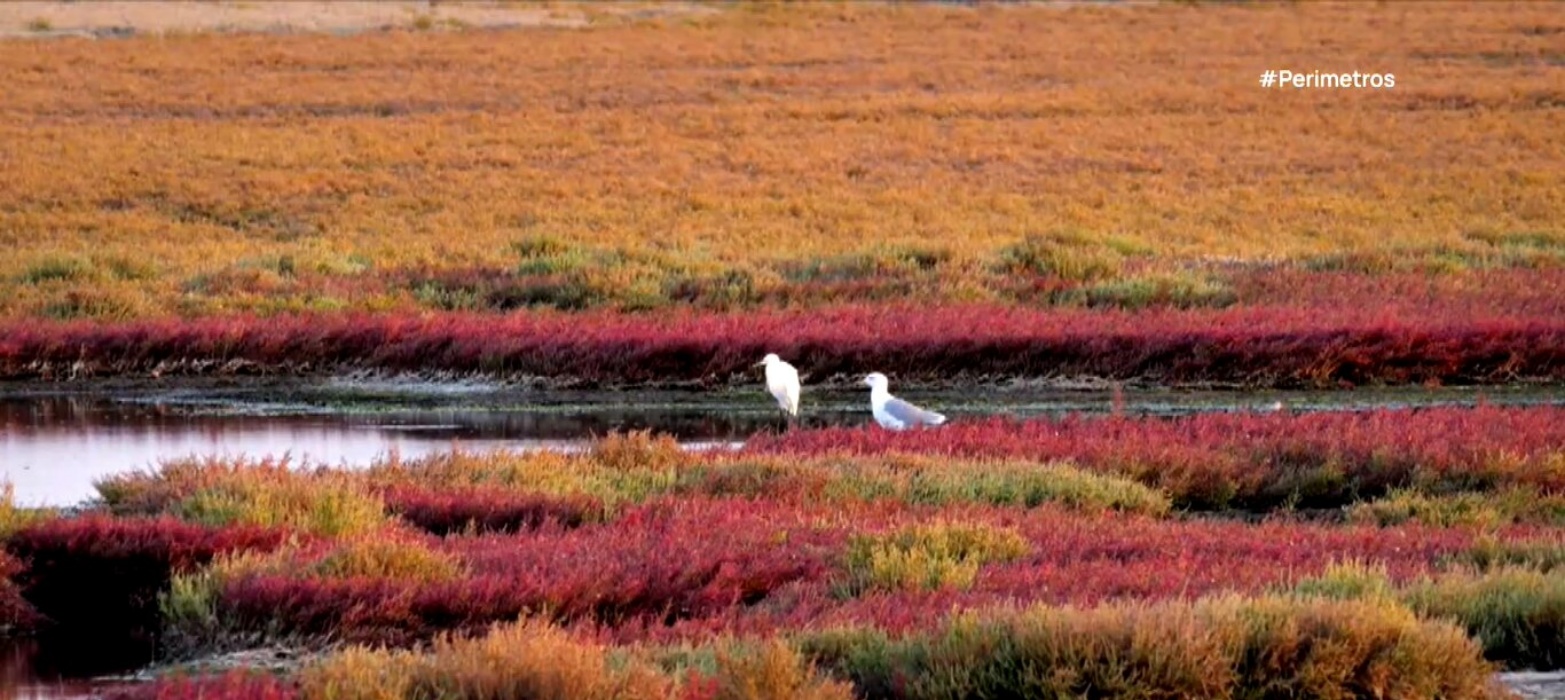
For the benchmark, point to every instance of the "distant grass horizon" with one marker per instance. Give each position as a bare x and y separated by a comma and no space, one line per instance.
761,157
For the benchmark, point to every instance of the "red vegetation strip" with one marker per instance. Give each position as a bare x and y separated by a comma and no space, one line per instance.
106,572
694,567
1083,561
1325,458
665,562
1263,345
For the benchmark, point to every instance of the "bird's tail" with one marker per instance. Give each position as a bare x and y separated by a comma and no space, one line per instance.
936,418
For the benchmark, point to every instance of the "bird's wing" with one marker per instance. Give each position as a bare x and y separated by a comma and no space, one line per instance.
791,373
794,373
791,392
912,415
783,381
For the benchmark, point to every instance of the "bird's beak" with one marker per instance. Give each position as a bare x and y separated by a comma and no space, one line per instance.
758,364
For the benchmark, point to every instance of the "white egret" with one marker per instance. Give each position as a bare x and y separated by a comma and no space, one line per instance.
782,380
893,413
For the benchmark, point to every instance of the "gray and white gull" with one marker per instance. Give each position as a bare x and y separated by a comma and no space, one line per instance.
893,413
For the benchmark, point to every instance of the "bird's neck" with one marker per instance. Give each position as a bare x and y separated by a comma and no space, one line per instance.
879,395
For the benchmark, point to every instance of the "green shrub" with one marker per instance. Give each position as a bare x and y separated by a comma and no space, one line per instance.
1066,255
1030,485
1486,509
56,268
1349,581
1215,648
1518,615
1487,553
1177,290
932,556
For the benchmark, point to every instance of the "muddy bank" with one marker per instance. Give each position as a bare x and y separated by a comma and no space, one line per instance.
92,376
1535,685
387,393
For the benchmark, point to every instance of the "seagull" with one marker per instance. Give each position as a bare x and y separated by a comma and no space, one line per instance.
893,413
782,380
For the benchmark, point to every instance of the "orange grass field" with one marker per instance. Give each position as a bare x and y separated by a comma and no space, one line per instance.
199,174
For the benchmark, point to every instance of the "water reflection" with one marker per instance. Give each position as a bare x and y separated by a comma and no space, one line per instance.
56,668
52,448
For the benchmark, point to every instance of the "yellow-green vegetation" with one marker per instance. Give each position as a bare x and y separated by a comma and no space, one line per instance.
931,556
386,558
527,659
310,506
532,659
772,154
939,482
189,606
1507,506
619,469
1212,648
389,556
267,492
333,502
1539,554
1515,611
14,517
1517,614
934,481
1349,580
